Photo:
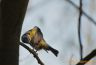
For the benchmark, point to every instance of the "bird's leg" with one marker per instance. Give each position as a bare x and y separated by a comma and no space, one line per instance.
34,48
36,51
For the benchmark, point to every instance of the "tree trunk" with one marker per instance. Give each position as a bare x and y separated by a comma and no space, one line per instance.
12,15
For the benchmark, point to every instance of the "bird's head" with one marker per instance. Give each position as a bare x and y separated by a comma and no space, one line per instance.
26,38
36,28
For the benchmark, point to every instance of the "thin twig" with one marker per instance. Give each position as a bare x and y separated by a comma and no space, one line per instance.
33,52
87,58
84,13
79,30
93,53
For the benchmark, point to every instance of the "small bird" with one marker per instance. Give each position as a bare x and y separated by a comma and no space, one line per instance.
34,37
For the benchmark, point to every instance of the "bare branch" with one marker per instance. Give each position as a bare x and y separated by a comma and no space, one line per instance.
93,53
33,52
79,30
84,13
87,58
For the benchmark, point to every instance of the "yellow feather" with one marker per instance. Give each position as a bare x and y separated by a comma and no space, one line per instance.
43,44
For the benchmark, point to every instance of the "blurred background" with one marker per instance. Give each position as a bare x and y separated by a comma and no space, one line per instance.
58,21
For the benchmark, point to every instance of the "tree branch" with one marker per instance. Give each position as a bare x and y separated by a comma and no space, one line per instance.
33,52
84,13
87,58
93,53
79,30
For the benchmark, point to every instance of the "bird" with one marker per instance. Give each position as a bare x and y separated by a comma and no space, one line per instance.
35,38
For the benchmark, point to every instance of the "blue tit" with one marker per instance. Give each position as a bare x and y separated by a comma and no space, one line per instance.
34,37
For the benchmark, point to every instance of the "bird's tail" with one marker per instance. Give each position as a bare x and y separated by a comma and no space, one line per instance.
54,51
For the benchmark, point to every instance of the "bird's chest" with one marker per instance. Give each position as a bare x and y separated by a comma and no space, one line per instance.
35,41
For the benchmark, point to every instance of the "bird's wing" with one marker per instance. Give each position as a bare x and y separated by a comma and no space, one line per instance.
39,32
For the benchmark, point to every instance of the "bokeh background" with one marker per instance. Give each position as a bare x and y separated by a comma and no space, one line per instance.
58,21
